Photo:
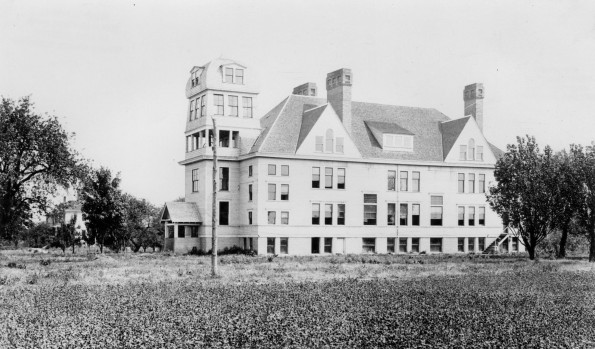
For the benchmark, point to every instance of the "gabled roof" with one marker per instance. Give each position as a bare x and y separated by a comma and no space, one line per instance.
181,212
286,126
309,118
450,133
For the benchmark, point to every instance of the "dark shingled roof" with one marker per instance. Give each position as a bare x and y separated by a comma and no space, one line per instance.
450,132
181,212
286,126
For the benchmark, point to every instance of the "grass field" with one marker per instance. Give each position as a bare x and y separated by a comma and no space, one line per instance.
157,300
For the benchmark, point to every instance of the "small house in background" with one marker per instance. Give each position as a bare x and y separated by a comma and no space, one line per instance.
326,174
65,212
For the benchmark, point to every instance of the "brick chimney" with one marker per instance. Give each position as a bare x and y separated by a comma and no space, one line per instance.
338,94
307,89
473,97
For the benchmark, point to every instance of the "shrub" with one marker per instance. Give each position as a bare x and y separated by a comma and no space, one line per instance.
45,262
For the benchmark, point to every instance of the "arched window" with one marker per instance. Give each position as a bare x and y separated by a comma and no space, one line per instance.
471,149
329,140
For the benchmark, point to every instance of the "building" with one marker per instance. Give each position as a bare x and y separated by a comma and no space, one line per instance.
318,175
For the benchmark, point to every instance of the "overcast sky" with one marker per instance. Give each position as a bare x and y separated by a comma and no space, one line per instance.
115,71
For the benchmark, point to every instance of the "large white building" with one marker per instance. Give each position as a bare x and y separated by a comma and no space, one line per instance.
318,175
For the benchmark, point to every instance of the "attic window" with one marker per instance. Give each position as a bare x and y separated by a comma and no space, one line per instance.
397,142
233,75
195,78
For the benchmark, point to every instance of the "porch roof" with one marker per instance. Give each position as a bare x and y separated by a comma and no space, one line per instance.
181,212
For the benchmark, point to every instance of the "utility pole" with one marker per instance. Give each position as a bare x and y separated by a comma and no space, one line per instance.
214,211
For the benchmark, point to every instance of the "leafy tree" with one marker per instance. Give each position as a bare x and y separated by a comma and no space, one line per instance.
584,161
523,196
39,235
103,207
141,222
67,236
35,159
567,196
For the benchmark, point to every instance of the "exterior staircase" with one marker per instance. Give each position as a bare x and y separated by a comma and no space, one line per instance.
494,247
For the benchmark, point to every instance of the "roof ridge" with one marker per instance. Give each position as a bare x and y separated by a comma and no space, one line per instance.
399,106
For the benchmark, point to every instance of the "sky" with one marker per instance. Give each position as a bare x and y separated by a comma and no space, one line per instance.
115,72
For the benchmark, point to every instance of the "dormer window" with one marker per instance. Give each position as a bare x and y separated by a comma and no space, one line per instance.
195,78
397,142
233,75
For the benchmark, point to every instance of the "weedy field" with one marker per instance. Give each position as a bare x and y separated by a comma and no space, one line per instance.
163,301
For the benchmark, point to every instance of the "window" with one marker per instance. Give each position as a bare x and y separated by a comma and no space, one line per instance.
284,192
284,170
471,216
197,108
203,106
390,216
284,217
284,246
188,144
397,142
319,143
471,244
218,104
461,245
223,213
272,217
239,76
224,178
403,245
229,75
390,245
415,245
370,209
191,110
435,244
250,217
315,245
482,216
329,140
250,171
461,216
315,177
369,245
515,244
328,245
328,178
462,152
471,149
461,188
315,213
328,214
403,180
224,139
415,183
435,210
340,145
403,214
479,156
235,136
181,231
341,214
195,180
415,214
340,178
247,107
482,244
270,245
471,183
272,170
193,231
312,92
233,105
272,192
482,183
392,178
249,192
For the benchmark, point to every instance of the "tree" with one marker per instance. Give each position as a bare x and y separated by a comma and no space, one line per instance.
141,220
523,196
39,235
66,236
567,196
103,207
584,161
35,159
